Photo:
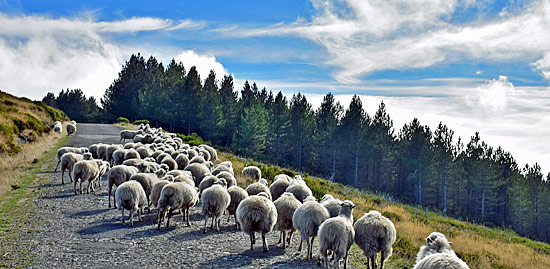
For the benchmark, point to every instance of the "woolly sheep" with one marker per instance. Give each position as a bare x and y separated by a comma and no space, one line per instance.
57,127
147,181
222,168
132,162
73,122
191,153
144,152
128,134
441,260
131,154
198,170
214,201
252,172
212,151
172,165
257,214
237,194
331,204
110,150
64,150
130,145
229,178
197,159
257,187
207,182
161,157
436,242
102,152
182,160
118,175
205,154
89,170
278,186
67,162
93,150
148,167
286,205
185,178
375,233
71,129
131,196
299,188
337,234
118,156
176,196
144,139
307,218
155,192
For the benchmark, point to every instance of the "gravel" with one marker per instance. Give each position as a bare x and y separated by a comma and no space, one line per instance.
79,230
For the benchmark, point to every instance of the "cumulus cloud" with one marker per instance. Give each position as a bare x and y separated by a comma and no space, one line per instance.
203,62
543,65
493,95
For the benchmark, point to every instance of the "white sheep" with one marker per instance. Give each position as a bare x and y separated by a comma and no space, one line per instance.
144,139
64,150
436,242
73,122
161,157
375,233
299,188
198,170
144,152
252,172
214,201
286,205
93,150
131,196
110,150
441,260
67,162
102,151
205,154
279,185
155,192
229,178
257,214
222,167
89,170
197,159
129,134
257,187
337,234
331,204
57,127
211,151
307,218
147,181
237,194
207,182
118,156
175,196
71,129
182,161
131,154
118,175
172,165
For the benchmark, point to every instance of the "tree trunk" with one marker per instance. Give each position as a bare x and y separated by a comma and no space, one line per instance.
445,189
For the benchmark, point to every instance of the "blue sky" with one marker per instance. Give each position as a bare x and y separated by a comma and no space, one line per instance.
474,65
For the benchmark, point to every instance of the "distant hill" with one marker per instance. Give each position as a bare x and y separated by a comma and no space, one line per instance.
23,120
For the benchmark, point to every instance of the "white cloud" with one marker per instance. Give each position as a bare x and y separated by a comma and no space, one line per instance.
543,65
204,63
493,95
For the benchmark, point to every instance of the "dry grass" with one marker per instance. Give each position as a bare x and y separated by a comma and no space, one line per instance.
479,247
126,126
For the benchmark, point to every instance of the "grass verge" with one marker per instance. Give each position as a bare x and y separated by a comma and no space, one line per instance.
17,218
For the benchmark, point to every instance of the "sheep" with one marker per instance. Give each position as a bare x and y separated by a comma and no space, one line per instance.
147,181
172,165
103,167
88,170
207,182
299,188
211,151
215,201
131,145
131,196
118,156
286,205
237,194
93,150
64,150
71,129
198,170
67,162
435,243
131,154
129,134
441,260
278,186
144,152
197,159
229,178
222,168
57,127
257,187
185,178
144,139
205,154
331,204
118,175
73,122
375,233
182,161
252,172
176,196
161,157
191,153
110,150
257,214
156,190
102,152
337,234
307,218
148,167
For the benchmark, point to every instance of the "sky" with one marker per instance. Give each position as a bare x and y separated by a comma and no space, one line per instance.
473,65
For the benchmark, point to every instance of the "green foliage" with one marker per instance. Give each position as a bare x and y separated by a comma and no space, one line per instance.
194,139
122,119
54,114
74,104
138,122
404,248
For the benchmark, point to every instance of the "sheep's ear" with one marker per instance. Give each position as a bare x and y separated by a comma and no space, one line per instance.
450,243
353,206
428,240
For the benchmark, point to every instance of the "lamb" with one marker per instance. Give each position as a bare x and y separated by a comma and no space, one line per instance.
252,172
435,243
307,218
182,160
229,178
331,204
118,156
286,205
147,181
88,170
257,214
441,260
176,196
198,170
278,186
172,165
64,150
71,129
375,233
257,187
237,194
67,162
118,175
337,234
129,134
131,196
299,188
215,201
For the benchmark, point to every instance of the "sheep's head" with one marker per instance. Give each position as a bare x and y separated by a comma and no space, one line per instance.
438,241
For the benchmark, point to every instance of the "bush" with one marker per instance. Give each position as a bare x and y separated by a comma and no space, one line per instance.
122,119
194,139
138,122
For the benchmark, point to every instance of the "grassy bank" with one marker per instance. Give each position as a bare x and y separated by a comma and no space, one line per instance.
17,218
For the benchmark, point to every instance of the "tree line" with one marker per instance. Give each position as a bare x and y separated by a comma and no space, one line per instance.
417,165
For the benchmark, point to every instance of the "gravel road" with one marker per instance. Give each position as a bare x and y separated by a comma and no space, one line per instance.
80,231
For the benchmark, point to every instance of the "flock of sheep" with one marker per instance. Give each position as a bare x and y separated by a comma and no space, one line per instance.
157,170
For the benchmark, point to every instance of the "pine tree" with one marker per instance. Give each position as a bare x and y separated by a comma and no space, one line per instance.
301,123
229,110
175,78
278,125
351,132
210,112
325,136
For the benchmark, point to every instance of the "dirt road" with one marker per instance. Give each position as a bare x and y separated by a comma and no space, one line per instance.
80,231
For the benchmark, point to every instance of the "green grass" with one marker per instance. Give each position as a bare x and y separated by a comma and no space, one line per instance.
17,218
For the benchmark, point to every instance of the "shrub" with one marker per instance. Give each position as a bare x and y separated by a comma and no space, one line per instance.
122,119
138,122
194,139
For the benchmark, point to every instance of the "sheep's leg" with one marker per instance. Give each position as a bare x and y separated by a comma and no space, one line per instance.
217,224
310,247
280,237
346,260
75,182
109,194
159,219
252,240
122,214
90,183
284,239
264,241
70,175
139,215
290,236
205,222
169,216
63,175
300,247
382,260
55,170
236,222
81,186
325,257
132,217
187,217
212,224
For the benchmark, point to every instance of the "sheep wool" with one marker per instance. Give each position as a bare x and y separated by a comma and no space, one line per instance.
375,233
257,214
130,196
337,234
